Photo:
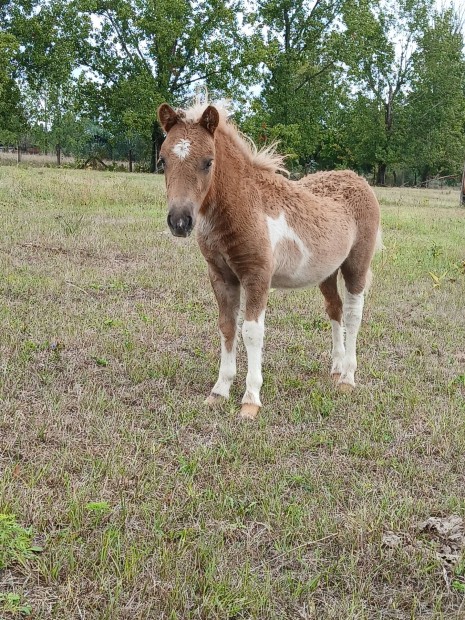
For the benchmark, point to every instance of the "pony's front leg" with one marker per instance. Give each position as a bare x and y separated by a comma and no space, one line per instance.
334,310
253,330
227,292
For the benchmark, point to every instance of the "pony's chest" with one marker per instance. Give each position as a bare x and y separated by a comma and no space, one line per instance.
207,240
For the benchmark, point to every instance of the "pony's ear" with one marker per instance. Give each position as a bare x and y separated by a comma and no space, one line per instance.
167,117
210,119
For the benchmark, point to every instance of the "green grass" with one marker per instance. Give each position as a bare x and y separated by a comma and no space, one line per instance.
149,506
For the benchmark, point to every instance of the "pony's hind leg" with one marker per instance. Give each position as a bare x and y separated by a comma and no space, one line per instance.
354,299
333,305
227,291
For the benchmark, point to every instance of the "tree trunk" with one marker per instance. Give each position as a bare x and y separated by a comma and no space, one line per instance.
157,141
462,191
58,154
130,160
381,174
19,154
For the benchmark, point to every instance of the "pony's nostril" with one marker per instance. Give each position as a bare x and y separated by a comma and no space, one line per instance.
180,224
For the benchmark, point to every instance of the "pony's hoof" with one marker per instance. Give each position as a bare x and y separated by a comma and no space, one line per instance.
335,376
345,388
249,412
215,400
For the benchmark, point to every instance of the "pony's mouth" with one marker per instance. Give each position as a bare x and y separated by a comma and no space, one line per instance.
185,234
181,226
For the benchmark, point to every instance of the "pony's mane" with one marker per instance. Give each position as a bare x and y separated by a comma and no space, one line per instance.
265,158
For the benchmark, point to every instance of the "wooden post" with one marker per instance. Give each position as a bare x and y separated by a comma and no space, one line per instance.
462,191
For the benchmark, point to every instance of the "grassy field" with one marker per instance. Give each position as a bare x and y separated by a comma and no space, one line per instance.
134,501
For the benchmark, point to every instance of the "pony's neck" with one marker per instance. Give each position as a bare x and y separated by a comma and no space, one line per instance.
230,165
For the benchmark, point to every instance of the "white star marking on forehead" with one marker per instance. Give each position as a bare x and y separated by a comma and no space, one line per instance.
181,149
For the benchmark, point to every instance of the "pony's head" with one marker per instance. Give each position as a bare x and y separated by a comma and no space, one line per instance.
187,155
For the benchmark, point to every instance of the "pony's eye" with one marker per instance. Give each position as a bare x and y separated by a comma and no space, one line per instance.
207,164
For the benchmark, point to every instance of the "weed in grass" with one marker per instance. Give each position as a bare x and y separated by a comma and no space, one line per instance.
101,361
436,250
71,224
98,510
438,279
321,403
167,366
15,542
458,581
11,603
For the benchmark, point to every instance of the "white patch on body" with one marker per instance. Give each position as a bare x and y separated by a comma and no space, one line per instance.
286,272
182,148
306,270
353,310
279,229
252,334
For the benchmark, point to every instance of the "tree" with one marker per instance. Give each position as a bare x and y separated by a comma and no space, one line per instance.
381,37
302,66
434,121
12,117
50,43
144,52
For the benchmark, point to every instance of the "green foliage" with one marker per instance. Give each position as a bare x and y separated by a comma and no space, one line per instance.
98,511
375,85
145,53
11,603
15,542
98,508
11,114
435,108
300,83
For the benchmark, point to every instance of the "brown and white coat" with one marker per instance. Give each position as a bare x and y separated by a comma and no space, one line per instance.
257,229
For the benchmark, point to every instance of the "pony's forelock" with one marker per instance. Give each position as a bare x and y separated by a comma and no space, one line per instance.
265,158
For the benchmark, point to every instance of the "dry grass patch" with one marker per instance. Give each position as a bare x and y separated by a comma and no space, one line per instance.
146,504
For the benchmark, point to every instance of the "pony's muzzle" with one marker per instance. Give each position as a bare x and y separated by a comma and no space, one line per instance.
181,224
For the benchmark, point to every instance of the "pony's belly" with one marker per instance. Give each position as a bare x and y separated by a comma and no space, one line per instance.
280,280
303,275
298,263
296,267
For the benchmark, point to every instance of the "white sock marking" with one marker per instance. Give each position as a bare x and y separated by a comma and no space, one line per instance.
227,372
338,351
252,334
353,310
181,149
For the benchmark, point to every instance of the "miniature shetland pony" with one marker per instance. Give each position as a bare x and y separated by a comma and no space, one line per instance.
257,229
